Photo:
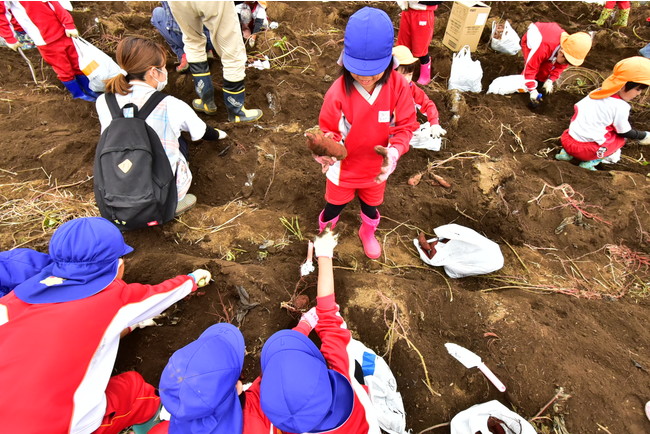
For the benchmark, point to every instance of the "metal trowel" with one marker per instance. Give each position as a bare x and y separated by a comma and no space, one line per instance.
472,360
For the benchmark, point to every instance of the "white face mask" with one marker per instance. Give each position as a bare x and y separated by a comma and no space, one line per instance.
161,84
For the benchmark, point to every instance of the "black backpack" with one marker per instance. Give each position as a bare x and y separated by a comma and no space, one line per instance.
134,183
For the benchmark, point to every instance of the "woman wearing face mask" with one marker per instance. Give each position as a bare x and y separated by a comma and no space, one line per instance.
143,73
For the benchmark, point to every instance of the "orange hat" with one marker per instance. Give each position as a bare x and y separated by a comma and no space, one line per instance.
403,55
575,47
636,69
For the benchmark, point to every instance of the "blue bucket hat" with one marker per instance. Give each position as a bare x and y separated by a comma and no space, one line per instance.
298,393
368,42
18,265
84,253
198,385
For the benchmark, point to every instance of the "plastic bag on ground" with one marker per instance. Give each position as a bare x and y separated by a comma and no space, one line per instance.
466,253
508,43
422,138
508,84
479,417
382,388
95,64
466,74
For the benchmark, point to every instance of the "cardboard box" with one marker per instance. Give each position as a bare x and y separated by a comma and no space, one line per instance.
465,25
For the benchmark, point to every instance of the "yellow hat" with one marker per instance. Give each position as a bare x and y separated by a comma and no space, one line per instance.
575,47
636,69
403,55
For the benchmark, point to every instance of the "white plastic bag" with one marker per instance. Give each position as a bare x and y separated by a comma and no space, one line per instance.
475,420
422,138
466,74
509,43
382,388
508,84
95,64
467,253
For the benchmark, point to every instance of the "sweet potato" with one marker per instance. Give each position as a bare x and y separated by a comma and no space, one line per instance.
415,179
321,145
429,249
440,180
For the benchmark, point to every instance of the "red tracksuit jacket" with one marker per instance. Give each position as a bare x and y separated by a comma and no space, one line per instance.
542,65
44,22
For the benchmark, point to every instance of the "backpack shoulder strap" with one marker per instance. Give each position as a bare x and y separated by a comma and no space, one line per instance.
151,104
111,101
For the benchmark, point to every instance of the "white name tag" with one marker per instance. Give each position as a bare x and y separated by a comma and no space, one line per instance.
422,23
384,116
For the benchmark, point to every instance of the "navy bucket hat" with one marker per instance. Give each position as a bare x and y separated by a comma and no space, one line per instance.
298,393
84,253
368,42
198,385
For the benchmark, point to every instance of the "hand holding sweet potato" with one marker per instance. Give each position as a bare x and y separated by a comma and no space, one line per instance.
322,145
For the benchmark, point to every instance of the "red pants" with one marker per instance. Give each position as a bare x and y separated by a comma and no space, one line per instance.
621,5
129,400
337,195
416,30
62,57
586,151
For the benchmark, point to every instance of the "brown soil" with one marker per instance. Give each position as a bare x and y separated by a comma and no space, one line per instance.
574,310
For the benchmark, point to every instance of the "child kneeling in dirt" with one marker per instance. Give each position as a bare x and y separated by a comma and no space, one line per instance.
60,331
370,110
143,73
431,129
601,124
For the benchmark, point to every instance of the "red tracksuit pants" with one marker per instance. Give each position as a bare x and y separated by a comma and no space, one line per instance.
62,57
129,400
416,30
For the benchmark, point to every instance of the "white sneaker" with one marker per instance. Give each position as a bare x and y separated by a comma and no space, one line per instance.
185,204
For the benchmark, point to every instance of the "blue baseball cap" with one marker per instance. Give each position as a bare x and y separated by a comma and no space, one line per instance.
84,253
198,385
298,393
18,265
368,42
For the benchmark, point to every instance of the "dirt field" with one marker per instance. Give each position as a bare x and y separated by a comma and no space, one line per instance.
568,310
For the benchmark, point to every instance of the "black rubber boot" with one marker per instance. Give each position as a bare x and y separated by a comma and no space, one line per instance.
234,95
204,89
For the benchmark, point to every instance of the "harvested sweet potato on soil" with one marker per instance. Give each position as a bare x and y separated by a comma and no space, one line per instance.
321,145
428,248
415,179
440,180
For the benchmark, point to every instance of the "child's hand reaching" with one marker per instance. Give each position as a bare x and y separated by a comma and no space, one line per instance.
324,161
325,242
391,155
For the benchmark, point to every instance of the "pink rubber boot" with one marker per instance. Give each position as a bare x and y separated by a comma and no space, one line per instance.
322,224
367,230
425,74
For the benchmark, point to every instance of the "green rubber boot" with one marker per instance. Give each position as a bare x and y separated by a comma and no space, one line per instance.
563,156
623,15
590,165
606,13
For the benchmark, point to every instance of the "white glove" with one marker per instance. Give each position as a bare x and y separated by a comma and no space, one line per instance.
391,155
646,139
71,33
437,131
142,324
15,46
201,277
548,87
325,242
310,317
535,97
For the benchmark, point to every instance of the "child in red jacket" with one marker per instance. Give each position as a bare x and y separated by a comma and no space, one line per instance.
416,27
52,29
428,134
370,110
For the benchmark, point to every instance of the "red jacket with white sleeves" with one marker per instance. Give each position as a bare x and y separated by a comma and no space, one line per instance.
362,121
44,22
539,46
56,358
